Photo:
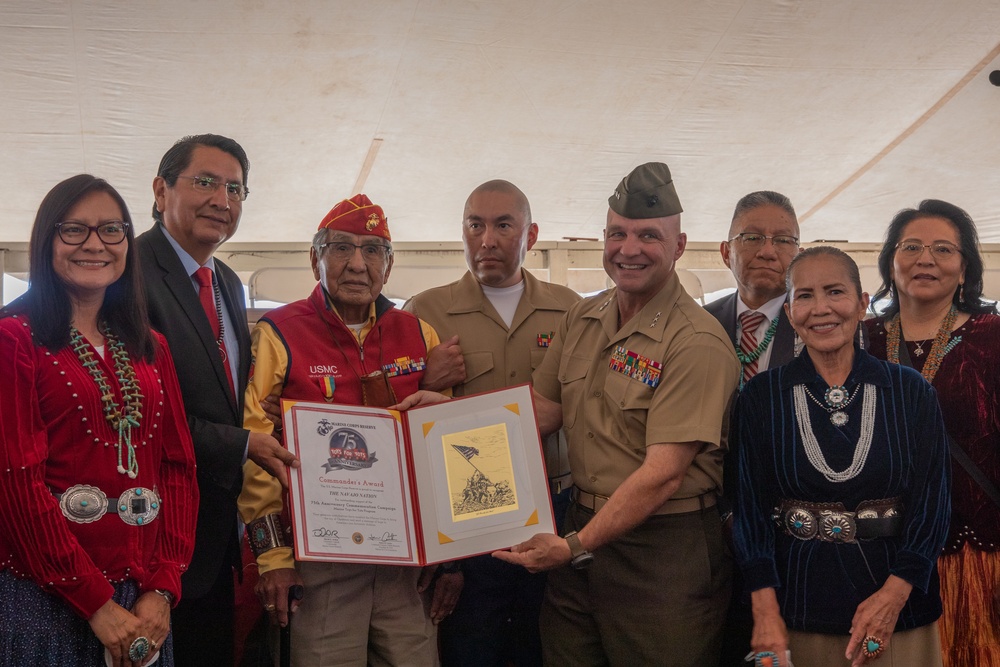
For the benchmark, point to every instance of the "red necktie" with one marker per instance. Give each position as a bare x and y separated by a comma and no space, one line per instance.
749,321
206,294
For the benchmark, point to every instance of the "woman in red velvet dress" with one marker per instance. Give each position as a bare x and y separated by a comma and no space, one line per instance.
937,322
97,479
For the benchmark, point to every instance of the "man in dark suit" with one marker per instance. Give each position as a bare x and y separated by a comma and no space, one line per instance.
199,191
763,239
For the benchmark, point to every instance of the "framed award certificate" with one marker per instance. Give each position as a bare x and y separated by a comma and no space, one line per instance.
435,483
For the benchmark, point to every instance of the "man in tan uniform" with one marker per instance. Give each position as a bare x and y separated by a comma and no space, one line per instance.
640,377
504,320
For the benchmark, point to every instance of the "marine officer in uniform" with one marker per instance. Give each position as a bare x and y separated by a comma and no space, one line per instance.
640,376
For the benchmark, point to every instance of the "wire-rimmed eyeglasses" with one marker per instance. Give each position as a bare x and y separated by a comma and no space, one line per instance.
234,191
939,249
342,251
781,242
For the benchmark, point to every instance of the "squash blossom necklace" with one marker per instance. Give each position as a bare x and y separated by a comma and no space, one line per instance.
122,419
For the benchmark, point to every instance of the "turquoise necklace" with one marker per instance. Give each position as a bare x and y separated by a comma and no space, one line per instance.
755,354
122,419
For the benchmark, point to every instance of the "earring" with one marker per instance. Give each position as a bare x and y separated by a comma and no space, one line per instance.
961,293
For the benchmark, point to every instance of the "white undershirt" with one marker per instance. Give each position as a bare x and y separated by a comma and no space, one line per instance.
505,300
771,309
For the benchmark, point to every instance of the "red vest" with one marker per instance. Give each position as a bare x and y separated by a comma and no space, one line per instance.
324,355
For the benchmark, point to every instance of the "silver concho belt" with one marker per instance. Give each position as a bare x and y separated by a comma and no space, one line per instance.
830,522
83,503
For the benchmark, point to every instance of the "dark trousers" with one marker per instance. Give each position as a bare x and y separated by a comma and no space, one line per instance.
496,619
738,628
655,596
203,627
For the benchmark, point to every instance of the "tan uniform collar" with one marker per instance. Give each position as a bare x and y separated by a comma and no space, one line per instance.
468,296
651,320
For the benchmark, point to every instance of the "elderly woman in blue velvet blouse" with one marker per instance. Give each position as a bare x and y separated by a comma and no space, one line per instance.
843,498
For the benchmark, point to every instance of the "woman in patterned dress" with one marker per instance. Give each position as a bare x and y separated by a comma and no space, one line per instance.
937,322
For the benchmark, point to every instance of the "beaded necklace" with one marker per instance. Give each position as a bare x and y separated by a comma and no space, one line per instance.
943,343
121,418
755,354
811,445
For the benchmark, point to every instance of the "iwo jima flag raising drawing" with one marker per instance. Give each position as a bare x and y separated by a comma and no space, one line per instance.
480,493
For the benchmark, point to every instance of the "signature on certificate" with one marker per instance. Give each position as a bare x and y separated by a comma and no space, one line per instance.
384,537
324,532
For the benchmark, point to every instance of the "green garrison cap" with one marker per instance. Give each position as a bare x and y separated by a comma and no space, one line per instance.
647,192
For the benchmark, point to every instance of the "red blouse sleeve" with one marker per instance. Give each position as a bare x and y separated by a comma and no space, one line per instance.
32,529
177,484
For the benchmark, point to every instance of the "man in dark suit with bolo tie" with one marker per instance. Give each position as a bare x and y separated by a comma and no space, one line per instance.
197,302
763,239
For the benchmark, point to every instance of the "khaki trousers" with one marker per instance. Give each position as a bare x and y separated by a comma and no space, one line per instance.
355,614
920,647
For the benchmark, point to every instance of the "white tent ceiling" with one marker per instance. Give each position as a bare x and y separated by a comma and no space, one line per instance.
853,108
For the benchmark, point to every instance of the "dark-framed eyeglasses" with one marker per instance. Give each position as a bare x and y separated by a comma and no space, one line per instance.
754,241
77,233
939,249
342,251
234,191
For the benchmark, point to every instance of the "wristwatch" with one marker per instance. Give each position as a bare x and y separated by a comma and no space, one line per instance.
580,557
167,595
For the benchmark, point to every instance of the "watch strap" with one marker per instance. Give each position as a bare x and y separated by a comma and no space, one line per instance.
575,547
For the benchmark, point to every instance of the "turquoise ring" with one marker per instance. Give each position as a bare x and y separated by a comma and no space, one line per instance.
872,646
139,649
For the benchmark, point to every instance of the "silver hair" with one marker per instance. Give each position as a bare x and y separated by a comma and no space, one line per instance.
764,198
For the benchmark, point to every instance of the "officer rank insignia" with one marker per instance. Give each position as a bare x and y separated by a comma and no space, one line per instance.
545,339
636,366
404,366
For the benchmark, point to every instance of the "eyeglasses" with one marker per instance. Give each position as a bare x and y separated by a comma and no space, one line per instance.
781,242
939,249
341,251
234,191
77,233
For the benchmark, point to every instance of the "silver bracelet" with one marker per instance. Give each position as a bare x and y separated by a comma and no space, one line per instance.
265,534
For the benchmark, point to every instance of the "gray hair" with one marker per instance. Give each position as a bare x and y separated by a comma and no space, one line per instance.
764,198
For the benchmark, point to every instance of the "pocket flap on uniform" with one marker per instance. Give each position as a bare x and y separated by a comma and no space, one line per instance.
477,363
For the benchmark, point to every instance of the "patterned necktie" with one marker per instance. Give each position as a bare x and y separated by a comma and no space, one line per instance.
206,294
749,321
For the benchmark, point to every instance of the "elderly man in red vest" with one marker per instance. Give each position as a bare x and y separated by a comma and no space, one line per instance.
340,344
